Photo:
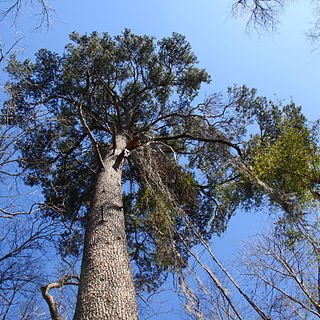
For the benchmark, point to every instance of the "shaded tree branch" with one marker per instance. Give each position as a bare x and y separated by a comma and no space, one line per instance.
8,214
114,96
202,139
283,199
93,141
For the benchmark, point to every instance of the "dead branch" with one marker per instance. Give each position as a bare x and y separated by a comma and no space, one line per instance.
93,140
225,271
214,279
50,299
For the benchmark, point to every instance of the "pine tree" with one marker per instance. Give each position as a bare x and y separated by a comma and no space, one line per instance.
108,124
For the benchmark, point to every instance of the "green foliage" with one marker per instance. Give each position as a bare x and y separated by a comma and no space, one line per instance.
288,159
281,150
278,146
124,82
127,84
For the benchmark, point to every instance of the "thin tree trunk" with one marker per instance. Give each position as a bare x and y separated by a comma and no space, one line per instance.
106,286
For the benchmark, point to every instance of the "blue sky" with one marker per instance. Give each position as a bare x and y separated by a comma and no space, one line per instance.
282,65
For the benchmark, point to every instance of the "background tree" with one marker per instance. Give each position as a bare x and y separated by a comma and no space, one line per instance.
277,278
13,9
285,272
281,162
266,15
22,256
27,240
24,237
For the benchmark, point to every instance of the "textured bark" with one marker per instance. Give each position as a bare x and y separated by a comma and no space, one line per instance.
106,287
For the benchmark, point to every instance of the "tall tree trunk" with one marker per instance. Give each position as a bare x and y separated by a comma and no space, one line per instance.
106,287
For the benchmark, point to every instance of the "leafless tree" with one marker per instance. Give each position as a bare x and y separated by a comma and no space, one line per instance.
209,291
283,271
5,51
279,278
13,9
265,15
26,241
22,255
260,14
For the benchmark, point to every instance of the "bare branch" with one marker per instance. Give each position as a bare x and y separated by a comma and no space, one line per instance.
213,278
188,136
224,270
4,54
284,271
93,141
50,299
261,14
8,214
15,7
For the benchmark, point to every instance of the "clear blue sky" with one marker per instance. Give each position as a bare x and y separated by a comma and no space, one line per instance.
282,64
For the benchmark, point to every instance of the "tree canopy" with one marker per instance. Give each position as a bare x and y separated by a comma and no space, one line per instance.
187,166
78,102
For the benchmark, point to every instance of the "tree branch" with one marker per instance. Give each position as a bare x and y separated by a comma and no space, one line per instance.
283,199
175,114
8,214
213,278
93,141
187,136
113,94
50,299
289,296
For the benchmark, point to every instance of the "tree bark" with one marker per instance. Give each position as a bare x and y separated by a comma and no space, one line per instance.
106,289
